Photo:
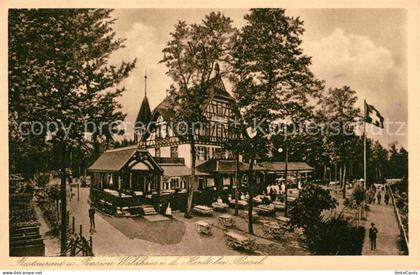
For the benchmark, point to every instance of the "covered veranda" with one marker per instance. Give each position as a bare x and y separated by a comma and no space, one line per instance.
123,179
298,173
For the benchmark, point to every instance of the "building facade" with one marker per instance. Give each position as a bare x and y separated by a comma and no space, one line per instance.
131,180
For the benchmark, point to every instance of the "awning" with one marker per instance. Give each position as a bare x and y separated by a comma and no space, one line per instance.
291,166
226,166
179,171
140,166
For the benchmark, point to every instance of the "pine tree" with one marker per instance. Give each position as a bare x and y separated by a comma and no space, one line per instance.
341,118
272,80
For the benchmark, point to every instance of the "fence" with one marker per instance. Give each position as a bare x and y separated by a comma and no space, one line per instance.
400,225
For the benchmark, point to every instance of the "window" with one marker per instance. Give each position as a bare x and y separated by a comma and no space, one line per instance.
174,151
218,130
201,182
203,153
164,131
157,152
220,109
175,183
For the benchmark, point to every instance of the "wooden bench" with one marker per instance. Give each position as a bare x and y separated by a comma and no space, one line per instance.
239,241
219,206
204,227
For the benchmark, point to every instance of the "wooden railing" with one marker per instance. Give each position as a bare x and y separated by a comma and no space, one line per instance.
403,233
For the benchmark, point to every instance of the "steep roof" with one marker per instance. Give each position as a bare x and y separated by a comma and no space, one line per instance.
113,160
144,116
291,166
216,90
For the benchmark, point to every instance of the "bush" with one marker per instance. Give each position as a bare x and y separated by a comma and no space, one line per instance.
335,237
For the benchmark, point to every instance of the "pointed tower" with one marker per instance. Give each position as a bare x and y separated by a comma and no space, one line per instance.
144,115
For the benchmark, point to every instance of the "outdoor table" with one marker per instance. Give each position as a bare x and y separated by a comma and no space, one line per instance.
273,229
265,209
239,241
226,220
241,203
219,206
203,210
204,227
283,221
278,205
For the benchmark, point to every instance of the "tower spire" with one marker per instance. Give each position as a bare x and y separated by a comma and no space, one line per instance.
145,83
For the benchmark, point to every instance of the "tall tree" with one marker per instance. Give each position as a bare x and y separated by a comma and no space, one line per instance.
59,72
378,162
398,162
191,56
341,117
271,80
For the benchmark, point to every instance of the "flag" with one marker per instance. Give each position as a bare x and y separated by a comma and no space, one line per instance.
373,116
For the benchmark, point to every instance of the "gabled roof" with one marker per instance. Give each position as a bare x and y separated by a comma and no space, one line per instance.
291,166
113,160
144,115
216,90
225,166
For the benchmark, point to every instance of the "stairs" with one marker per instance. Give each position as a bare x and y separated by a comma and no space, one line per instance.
148,210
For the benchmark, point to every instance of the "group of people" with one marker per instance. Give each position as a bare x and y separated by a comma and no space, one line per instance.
376,196
274,190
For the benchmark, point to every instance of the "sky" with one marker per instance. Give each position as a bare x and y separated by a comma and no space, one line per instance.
362,48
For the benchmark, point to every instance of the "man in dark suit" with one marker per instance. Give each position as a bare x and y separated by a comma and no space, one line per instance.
373,233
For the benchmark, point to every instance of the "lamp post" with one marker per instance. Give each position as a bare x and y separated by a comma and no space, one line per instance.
286,160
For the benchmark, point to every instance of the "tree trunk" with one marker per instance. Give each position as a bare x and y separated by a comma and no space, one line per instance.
191,182
344,181
63,199
57,206
237,184
340,174
325,173
251,195
335,172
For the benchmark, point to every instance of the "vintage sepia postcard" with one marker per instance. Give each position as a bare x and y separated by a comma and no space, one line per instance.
214,134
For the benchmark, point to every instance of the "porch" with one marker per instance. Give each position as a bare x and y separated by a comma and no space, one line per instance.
125,181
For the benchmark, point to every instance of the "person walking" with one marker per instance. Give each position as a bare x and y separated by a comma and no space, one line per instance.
386,198
92,218
373,234
379,197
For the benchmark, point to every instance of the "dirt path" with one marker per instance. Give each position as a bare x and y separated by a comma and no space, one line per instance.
385,221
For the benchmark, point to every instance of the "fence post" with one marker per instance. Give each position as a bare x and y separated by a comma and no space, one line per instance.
73,224
91,245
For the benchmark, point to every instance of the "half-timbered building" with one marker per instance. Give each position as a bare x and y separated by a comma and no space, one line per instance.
158,169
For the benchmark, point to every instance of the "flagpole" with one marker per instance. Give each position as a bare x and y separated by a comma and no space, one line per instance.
364,146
